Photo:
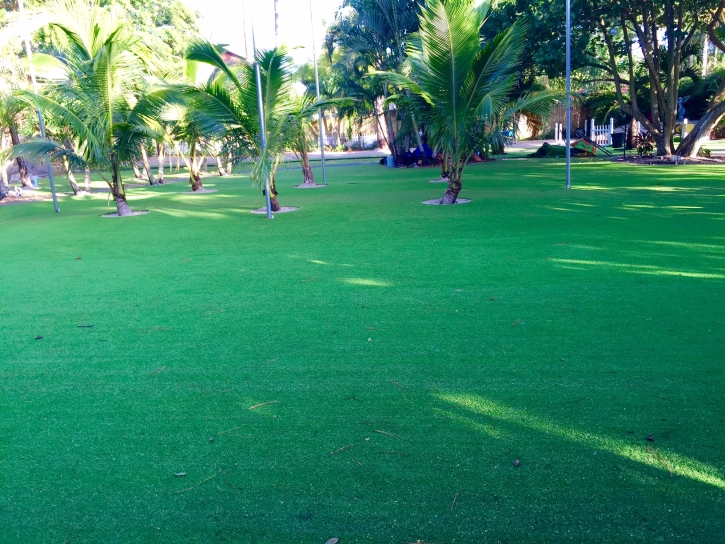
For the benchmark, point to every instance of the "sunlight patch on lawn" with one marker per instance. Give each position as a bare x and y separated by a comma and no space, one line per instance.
367,282
190,213
640,269
650,456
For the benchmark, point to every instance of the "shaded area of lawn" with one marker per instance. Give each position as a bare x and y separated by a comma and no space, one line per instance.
428,347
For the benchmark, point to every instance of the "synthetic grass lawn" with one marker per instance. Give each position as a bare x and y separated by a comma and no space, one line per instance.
427,347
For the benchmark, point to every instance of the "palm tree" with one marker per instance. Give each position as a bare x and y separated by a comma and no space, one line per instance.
373,35
230,101
460,86
302,112
99,97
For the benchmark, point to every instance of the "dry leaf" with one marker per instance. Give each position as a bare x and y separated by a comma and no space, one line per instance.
517,463
180,474
333,541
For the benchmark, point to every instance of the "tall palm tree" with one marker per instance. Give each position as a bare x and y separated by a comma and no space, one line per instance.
99,96
230,100
460,86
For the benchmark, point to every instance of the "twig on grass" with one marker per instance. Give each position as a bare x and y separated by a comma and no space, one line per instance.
229,430
515,322
343,448
389,434
262,404
396,384
202,482
157,371
453,504
395,453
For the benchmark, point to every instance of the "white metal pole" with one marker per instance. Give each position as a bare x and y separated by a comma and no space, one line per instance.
262,127
29,53
568,94
319,110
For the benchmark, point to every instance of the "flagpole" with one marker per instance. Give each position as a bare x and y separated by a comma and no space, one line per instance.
262,128
319,110
568,94
29,53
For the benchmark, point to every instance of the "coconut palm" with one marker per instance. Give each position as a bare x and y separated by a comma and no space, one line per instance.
461,86
98,97
302,112
230,100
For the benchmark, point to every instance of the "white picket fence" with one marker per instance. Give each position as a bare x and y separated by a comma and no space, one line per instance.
599,134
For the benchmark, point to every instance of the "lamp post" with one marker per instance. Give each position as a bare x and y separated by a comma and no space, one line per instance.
29,53
262,128
319,110
568,94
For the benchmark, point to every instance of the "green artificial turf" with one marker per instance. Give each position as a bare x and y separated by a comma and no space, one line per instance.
428,348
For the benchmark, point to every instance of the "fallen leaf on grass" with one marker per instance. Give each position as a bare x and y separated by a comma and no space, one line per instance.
38,337
517,463
333,541
180,474
88,326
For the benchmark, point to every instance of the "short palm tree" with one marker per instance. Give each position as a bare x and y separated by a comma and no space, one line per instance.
460,86
231,100
99,98
303,111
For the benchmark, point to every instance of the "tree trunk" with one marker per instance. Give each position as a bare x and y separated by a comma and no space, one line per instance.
454,187
220,167
71,177
22,165
307,174
147,166
4,181
195,180
162,157
136,172
87,179
230,164
117,190
691,145
273,194
445,167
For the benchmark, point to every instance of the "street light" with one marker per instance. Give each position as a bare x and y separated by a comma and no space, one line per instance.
29,53
568,94
319,110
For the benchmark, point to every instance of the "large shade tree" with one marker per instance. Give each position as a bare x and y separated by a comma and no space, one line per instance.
460,84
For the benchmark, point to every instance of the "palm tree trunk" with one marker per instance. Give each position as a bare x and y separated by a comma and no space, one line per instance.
308,177
22,165
194,169
445,167
136,172
71,177
273,194
454,186
162,157
117,190
87,180
220,166
230,164
146,165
